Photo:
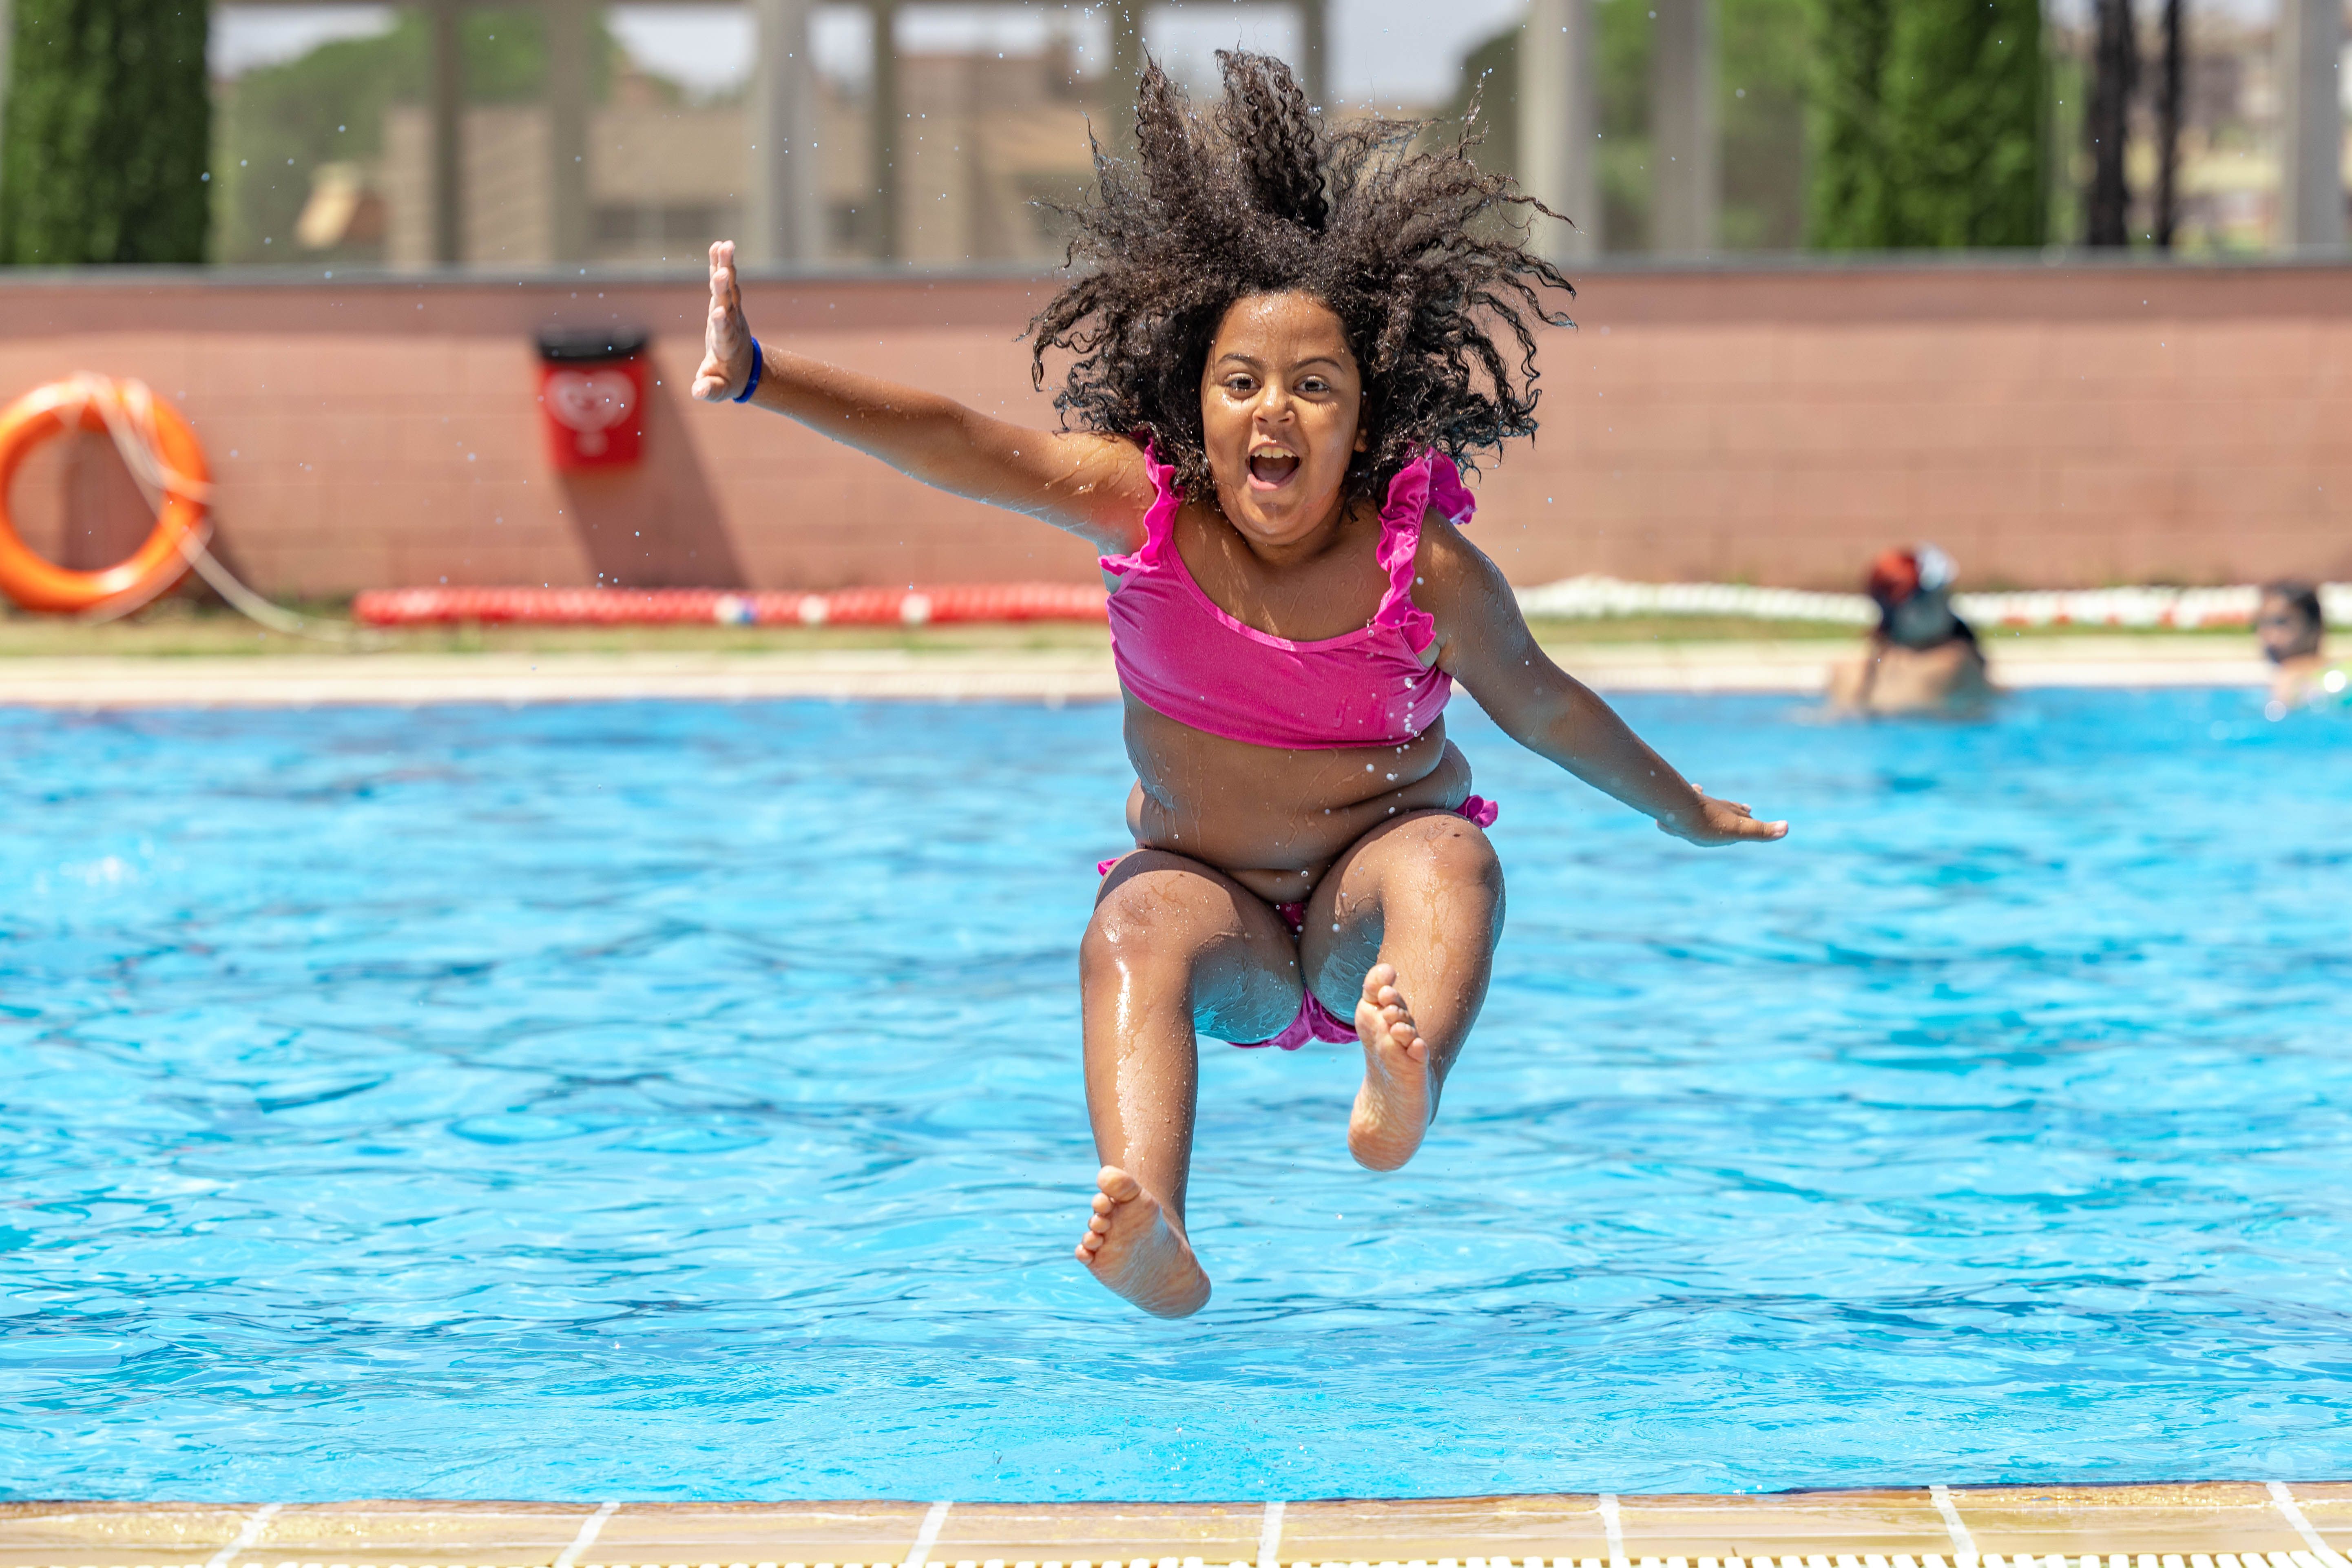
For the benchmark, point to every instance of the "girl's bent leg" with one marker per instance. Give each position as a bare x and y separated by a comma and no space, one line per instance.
1401,933
1172,944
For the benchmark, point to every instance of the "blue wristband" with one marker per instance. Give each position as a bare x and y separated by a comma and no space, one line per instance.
751,385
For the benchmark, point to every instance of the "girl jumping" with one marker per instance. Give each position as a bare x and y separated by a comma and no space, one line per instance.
1286,338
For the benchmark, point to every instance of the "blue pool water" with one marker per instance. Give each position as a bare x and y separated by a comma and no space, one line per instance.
682,1101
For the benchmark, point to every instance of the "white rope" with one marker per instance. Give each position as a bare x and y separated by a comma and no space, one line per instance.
1589,596
1592,597
128,410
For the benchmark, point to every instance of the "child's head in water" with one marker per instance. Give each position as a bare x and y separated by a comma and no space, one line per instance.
2288,622
1252,229
1913,589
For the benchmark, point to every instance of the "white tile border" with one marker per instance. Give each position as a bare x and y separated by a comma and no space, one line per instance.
589,1528
2324,1558
1964,1546
2283,1501
929,1536
1612,1526
1269,1536
258,1521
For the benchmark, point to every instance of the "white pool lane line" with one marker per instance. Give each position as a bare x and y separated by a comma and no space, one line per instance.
2290,1510
1964,1545
258,1521
927,1537
1269,1537
1607,1503
589,1528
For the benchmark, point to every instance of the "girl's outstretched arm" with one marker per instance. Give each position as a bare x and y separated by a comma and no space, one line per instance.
1486,645
1093,486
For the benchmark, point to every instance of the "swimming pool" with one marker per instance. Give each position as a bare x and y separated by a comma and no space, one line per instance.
681,1102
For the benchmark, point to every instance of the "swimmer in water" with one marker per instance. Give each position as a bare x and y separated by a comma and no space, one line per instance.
1286,336
2291,629
1921,658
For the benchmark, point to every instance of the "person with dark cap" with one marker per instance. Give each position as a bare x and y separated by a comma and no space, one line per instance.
1921,657
2291,629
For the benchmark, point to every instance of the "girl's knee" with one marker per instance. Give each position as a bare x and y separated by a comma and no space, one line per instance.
1149,911
1456,851
1122,915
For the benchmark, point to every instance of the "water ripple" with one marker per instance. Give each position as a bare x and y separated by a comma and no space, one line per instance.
666,1100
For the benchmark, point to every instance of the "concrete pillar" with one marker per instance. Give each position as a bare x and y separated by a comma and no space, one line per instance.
2311,125
1125,65
1686,168
569,27
1315,49
1559,115
447,89
784,213
887,121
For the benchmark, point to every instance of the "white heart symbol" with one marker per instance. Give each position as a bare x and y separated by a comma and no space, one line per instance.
590,400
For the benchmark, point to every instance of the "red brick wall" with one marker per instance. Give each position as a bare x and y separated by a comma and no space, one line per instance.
2051,426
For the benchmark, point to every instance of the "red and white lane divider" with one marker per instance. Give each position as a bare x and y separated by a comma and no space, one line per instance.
1580,598
948,603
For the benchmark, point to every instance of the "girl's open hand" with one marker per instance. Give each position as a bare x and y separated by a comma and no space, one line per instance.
727,337
1719,821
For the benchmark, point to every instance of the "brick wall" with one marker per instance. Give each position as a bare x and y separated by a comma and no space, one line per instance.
2051,426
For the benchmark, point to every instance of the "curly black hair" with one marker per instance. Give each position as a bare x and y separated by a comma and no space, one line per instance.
1258,197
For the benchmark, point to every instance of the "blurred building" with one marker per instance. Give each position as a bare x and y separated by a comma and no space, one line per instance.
1667,126
995,139
525,136
2232,131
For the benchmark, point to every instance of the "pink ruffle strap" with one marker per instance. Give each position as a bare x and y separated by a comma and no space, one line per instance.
1431,482
1157,522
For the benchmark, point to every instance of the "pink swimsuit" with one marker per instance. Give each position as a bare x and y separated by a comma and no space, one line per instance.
1181,656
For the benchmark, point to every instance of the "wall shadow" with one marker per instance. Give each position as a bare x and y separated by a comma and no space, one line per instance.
656,525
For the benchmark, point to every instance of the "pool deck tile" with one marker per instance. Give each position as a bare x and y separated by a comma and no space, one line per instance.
2160,1526
39,1533
1095,1532
758,1532
2328,1506
1052,677
1850,1522
2209,1517
1566,1525
359,1534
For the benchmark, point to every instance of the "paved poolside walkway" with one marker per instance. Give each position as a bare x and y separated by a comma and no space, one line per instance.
1054,675
2236,1525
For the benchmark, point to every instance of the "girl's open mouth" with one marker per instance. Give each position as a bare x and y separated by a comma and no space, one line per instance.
1271,467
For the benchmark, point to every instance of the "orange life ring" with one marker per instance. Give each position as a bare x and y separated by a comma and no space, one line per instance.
163,454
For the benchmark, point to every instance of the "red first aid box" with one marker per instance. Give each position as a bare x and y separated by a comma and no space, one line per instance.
592,394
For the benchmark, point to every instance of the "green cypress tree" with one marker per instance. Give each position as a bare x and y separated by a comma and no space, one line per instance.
1851,203
1763,95
1963,99
1928,124
109,125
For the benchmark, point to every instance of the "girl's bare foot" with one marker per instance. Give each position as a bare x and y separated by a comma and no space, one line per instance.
1133,1247
1392,1108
